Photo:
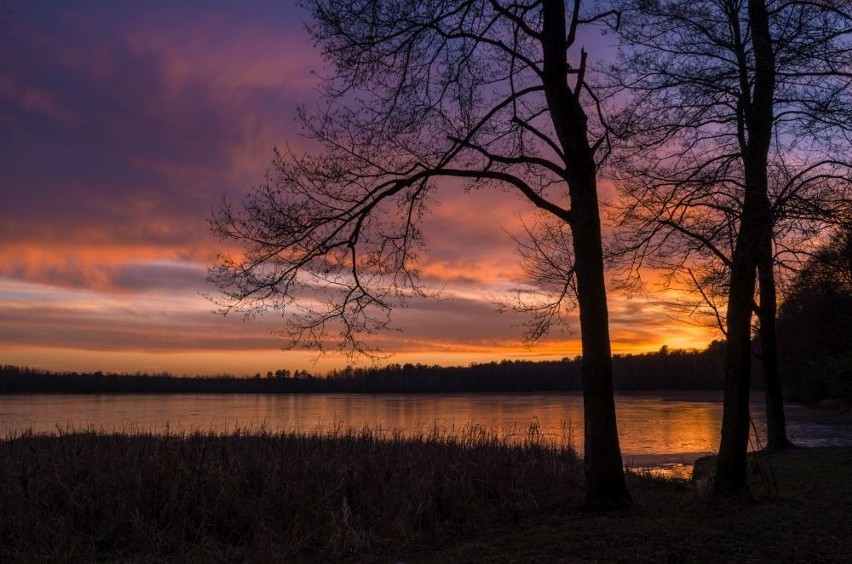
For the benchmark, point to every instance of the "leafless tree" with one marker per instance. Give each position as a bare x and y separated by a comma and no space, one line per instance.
693,254
725,95
493,93
548,289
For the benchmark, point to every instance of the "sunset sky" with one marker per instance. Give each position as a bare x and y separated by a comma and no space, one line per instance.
122,124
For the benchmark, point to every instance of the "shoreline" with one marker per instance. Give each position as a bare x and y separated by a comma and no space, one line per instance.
406,414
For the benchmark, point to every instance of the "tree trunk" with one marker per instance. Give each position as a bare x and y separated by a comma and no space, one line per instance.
758,111
605,484
604,475
776,425
733,449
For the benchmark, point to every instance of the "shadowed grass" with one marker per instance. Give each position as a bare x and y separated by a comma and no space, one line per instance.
806,519
267,497
369,496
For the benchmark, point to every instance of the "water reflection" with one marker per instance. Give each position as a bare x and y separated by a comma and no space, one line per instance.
655,429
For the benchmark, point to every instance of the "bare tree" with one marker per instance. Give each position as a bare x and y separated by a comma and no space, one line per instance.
548,292
488,92
723,93
693,253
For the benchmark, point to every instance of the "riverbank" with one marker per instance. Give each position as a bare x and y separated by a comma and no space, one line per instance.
92,496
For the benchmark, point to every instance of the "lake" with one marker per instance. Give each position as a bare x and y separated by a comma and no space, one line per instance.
655,429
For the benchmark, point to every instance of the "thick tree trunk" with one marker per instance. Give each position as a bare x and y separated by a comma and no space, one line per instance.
605,484
776,425
758,110
604,475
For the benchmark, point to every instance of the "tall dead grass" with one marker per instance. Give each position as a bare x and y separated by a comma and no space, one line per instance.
262,496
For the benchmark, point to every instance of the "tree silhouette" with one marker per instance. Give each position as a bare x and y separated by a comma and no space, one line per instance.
726,98
694,253
484,92
815,323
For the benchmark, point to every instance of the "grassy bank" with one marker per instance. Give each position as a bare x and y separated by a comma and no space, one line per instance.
261,497
264,497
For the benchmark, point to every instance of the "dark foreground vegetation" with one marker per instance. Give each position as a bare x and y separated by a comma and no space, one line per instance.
91,496
264,497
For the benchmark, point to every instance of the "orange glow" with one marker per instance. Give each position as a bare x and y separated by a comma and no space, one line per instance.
136,307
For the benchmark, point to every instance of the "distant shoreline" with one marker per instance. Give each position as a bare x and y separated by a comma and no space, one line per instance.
663,370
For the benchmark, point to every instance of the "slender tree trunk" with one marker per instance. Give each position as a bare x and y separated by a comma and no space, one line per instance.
733,449
758,111
604,475
776,425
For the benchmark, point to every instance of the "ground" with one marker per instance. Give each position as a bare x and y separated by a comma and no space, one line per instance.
355,497
801,512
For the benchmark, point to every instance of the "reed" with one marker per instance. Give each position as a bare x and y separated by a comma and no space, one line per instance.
261,496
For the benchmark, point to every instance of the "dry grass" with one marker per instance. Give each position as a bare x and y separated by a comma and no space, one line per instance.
263,497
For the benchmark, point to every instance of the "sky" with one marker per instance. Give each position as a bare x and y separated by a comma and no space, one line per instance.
123,124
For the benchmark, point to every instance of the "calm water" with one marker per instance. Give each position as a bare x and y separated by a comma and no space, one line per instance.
654,428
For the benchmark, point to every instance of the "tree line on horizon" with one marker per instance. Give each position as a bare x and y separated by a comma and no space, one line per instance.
663,370
666,369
